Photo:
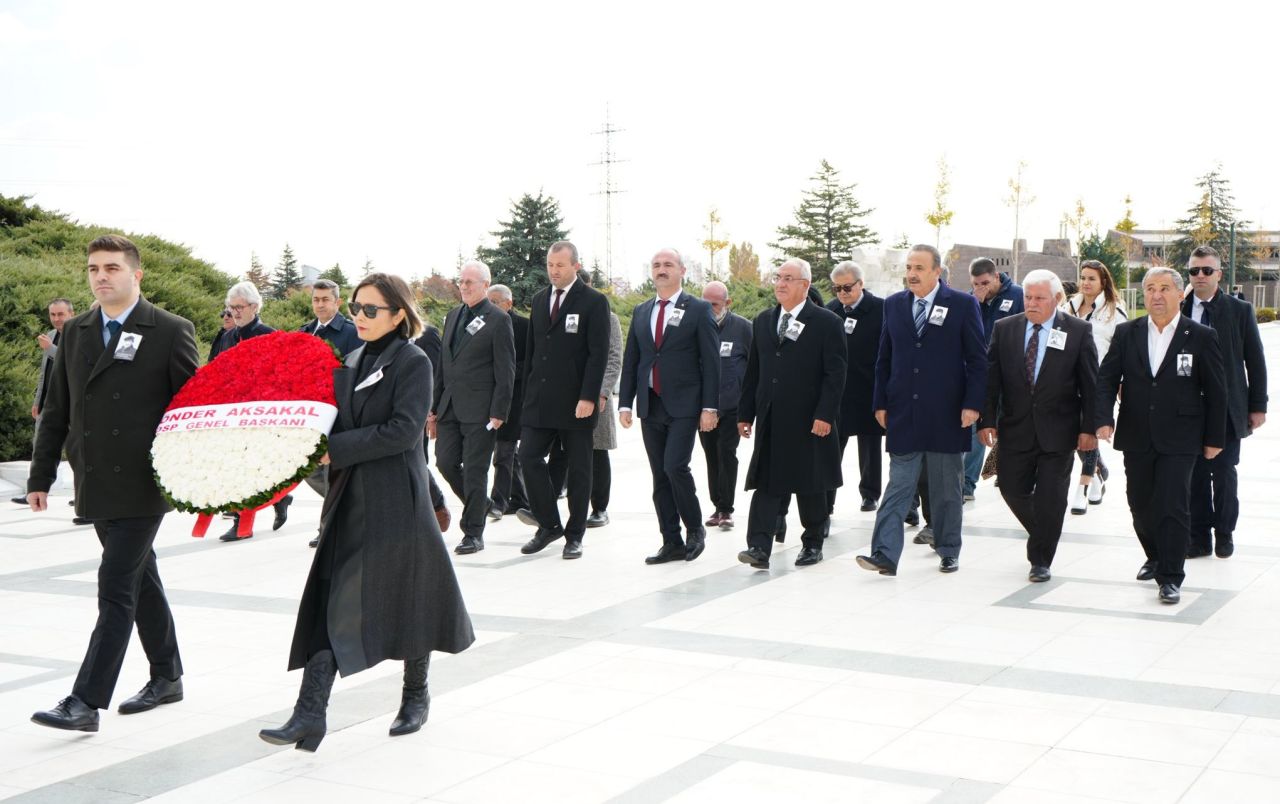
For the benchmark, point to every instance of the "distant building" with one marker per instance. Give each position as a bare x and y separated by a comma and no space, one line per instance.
1145,245
1055,255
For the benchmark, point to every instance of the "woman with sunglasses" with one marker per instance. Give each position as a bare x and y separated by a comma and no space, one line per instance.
381,584
1100,305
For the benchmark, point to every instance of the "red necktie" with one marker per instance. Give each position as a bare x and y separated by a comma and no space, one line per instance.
657,343
555,308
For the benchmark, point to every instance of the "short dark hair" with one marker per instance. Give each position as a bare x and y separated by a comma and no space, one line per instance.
982,265
327,284
1205,251
398,295
114,242
61,300
563,245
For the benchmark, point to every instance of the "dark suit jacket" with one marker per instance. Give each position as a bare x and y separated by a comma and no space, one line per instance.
1050,416
476,379
563,368
429,343
392,592
340,332
251,330
735,331
688,362
1242,356
862,346
787,387
925,382
105,411
510,429
1164,413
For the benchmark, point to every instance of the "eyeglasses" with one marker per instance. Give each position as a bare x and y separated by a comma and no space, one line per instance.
1206,270
239,308
369,310
782,280
845,288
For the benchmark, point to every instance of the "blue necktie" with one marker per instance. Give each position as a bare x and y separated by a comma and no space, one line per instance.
113,329
920,316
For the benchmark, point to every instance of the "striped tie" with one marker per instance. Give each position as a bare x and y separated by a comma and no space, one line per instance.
921,304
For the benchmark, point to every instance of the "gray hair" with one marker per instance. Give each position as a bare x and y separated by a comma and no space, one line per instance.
503,292
479,266
244,290
847,267
928,249
1163,271
805,271
679,256
1040,276
326,284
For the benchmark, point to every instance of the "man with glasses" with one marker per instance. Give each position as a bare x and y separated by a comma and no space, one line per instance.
931,380
861,316
791,399
721,444
508,483
471,397
1215,504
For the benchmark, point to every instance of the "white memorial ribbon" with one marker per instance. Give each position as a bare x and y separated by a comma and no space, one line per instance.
285,413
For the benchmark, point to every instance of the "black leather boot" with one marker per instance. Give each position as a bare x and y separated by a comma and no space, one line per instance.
282,512
231,535
415,702
306,727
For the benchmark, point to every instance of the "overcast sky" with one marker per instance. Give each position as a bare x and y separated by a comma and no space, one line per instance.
402,131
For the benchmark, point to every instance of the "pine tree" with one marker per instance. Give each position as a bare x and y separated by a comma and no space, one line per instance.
287,277
1208,222
598,280
257,274
335,275
519,260
827,225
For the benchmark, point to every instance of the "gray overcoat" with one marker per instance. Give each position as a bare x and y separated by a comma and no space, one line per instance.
605,436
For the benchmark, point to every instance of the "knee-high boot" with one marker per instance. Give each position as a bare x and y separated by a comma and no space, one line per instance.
415,702
306,727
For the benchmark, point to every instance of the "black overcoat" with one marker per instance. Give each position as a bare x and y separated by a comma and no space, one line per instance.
393,593
862,346
565,359
788,386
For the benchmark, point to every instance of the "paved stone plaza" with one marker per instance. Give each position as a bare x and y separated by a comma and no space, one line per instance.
608,680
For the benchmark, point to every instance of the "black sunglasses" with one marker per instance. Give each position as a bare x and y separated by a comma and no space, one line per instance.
226,313
369,310
1206,270
844,288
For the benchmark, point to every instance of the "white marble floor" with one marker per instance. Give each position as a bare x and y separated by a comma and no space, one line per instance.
608,680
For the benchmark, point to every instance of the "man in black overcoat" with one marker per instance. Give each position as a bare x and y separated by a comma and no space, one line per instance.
104,408
1168,416
565,359
791,397
508,481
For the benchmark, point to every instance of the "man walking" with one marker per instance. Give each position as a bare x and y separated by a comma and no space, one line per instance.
999,297
720,444
105,409
508,482
60,312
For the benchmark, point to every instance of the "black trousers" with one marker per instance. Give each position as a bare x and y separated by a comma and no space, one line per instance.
870,450
1157,487
766,507
1215,504
535,444
720,447
508,482
668,443
601,475
129,592
1035,486
463,452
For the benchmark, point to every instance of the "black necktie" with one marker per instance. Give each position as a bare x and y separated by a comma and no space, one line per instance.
464,317
1206,316
113,327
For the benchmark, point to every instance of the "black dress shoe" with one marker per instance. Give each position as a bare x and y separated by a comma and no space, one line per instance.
81,520
808,556
694,545
231,535
949,564
1147,571
669,552
572,549
1198,552
71,714
1224,547
495,513
157,691
1039,575
1169,593
540,540
925,536
826,528
598,519
282,512
780,530
755,557
469,544
526,516
912,518
878,563
868,504
314,542
18,500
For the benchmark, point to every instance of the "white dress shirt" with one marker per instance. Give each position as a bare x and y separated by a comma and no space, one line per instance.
1158,342
551,297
